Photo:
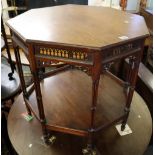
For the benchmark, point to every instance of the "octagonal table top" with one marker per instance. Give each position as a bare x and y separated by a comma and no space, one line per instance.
78,25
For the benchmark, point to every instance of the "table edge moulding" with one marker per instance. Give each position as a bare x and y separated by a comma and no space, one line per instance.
94,61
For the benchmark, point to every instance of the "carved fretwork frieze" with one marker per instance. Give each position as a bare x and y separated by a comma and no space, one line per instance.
64,53
122,50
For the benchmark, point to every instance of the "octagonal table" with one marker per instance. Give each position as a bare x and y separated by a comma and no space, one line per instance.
90,39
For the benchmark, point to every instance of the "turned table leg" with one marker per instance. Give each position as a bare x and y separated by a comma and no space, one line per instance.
36,80
96,71
90,144
21,75
134,62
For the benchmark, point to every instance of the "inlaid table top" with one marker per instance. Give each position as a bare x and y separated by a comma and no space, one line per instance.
78,25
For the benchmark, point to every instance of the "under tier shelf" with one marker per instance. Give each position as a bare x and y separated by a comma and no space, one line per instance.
67,99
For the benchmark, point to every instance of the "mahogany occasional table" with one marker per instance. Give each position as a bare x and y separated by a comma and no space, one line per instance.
85,37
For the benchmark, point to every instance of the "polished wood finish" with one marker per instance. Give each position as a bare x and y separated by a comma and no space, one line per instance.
84,26
144,85
76,96
21,75
23,133
79,39
9,88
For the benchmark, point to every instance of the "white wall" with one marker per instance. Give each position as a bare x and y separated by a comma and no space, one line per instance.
150,4
105,3
132,5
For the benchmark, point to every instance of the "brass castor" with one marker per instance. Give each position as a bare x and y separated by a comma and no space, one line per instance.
52,139
122,127
49,140
88,151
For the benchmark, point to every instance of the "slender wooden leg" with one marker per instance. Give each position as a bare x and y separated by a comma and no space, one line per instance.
41,70
96,70
90,145
22,81
35,74
132,77
40,103
128,76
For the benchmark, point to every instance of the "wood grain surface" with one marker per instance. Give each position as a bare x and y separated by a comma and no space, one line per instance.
67,100
78,25
109,142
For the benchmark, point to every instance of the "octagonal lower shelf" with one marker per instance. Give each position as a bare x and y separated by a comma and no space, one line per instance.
67,99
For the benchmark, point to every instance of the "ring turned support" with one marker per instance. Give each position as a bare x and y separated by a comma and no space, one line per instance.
134,62
21,75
